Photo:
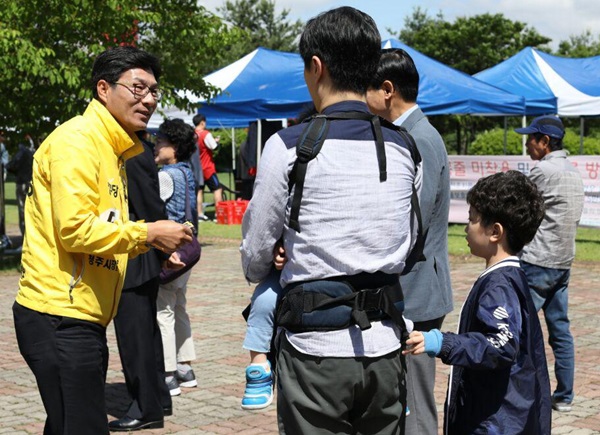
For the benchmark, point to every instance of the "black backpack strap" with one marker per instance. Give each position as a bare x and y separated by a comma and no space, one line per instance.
308,146
416,254
376,123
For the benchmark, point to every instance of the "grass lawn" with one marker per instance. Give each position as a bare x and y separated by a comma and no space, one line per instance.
588,239
12,214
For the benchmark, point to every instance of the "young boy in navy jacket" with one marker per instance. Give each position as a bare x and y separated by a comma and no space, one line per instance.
499,378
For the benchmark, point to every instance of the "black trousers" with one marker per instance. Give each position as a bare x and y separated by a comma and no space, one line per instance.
69,358
330,395
141,351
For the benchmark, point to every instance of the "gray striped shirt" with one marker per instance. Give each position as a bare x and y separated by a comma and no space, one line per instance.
562,188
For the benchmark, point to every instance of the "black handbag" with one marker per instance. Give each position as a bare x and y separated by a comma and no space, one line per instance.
188,253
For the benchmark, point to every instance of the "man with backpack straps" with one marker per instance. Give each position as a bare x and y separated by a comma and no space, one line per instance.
356,230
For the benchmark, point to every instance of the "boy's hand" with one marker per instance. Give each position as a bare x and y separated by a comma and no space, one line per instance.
419,342
415,344
279,258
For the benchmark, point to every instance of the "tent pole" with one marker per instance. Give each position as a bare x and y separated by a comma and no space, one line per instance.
505,134
524,138
258,141
581,122
232,156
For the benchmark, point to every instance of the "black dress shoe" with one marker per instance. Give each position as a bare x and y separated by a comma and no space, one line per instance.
126,424
167,411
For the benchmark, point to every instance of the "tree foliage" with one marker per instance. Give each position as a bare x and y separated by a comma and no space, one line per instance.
261,26
492,143
470,44
47,48
583,45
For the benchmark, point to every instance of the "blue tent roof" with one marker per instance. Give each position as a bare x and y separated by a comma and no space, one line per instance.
267,84
520,75
445,90
550,84
263,84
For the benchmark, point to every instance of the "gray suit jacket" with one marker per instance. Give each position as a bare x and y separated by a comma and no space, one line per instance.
427,288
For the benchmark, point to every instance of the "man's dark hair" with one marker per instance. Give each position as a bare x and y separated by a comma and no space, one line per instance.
554,143
112,63
197,119
348,43
397,66
511,199
181,135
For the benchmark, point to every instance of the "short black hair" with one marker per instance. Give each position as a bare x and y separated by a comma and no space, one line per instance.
554,143
347,42
397,66
197,119
112,63
511,199
181,135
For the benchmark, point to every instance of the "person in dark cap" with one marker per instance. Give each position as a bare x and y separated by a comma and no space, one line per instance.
547,259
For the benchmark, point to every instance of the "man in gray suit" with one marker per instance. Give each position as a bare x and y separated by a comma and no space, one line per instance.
427,289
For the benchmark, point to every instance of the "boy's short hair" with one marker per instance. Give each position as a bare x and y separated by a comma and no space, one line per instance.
348,43
511,199
181,135
112,63
198,118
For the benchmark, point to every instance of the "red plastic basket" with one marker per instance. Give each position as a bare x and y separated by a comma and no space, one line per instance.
231,212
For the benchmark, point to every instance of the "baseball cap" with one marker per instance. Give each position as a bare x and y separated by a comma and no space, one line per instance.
548,124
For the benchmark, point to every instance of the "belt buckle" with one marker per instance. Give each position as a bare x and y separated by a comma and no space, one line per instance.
369,299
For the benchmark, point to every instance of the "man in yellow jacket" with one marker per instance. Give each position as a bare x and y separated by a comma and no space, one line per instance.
79,238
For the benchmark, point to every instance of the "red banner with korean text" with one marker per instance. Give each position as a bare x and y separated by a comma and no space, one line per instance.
466,170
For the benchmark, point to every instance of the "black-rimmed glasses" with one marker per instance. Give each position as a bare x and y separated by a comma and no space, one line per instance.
140,91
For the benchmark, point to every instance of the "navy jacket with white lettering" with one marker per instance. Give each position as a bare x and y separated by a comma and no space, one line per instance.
499,380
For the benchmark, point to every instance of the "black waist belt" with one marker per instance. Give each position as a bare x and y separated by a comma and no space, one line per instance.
332,304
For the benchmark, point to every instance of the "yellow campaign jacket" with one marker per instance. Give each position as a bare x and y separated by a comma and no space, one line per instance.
78,234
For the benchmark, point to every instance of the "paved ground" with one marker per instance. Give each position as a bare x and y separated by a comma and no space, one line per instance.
217,294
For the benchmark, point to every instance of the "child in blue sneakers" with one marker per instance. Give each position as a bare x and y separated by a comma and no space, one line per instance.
499,378
259,332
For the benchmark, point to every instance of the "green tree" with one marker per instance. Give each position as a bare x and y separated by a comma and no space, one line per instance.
470,44
47,48
261,26
492,143
583,45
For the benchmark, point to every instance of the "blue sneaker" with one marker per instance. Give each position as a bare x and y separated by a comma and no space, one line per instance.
259,387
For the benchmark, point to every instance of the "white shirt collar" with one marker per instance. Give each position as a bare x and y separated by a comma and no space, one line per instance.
405,115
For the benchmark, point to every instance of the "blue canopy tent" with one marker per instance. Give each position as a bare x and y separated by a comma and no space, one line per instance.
444,90
263,84
267,84
550,84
